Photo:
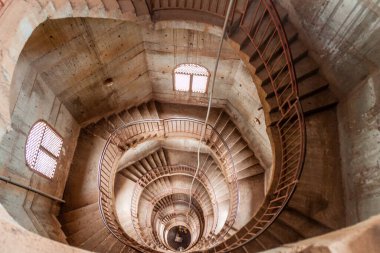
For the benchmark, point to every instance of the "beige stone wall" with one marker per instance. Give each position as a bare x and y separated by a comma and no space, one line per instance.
359,121
33,100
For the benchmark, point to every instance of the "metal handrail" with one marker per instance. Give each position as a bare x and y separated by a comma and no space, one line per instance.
219,11
129,134
261,24
28,188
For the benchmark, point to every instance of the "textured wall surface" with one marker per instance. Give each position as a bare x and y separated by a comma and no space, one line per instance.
33,100
359,125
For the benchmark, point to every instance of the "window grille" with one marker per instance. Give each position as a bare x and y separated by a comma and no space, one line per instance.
43,148
191,77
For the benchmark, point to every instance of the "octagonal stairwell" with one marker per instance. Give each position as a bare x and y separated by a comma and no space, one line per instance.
250,174
316,98
155,165
313,206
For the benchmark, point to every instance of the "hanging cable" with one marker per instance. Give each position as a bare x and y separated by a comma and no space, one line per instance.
209,101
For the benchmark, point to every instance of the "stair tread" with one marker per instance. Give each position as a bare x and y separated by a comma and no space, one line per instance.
82,235
95,239
81,222
306,88
72,215
106,243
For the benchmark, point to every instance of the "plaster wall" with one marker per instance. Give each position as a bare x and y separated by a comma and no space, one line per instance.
359,131
32,101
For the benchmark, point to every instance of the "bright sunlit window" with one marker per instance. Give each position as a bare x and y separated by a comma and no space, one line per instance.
43,148
191,77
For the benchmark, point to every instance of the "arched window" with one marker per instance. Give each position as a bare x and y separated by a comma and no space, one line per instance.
43,148
191,77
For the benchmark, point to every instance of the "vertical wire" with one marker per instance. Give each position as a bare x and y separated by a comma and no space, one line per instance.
209,102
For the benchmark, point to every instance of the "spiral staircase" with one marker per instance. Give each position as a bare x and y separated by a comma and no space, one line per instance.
287,79
141,164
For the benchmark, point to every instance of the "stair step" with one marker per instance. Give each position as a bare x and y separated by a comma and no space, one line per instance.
298,50
305,68
81,222
80,8
115,121
222,122
250,172
268,240
320,101
82,235
255,246
283,231
135,113
95,239
61,5
157,159
126,116
95,4
272,50
227,130
248,161
111,5
162,156
98,130
78,213
125,5
307,87
140,7
153,109
140,167
105,244
144,111
302,224
242,155
131,173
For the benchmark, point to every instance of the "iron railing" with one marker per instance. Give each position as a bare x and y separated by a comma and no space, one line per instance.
262,26
214,8
128,135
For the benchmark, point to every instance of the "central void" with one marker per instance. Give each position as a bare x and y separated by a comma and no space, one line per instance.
179,238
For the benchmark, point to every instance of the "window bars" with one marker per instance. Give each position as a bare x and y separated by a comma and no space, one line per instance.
43,147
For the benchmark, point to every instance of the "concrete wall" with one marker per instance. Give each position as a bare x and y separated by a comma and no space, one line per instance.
33,100
359,132
319,194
